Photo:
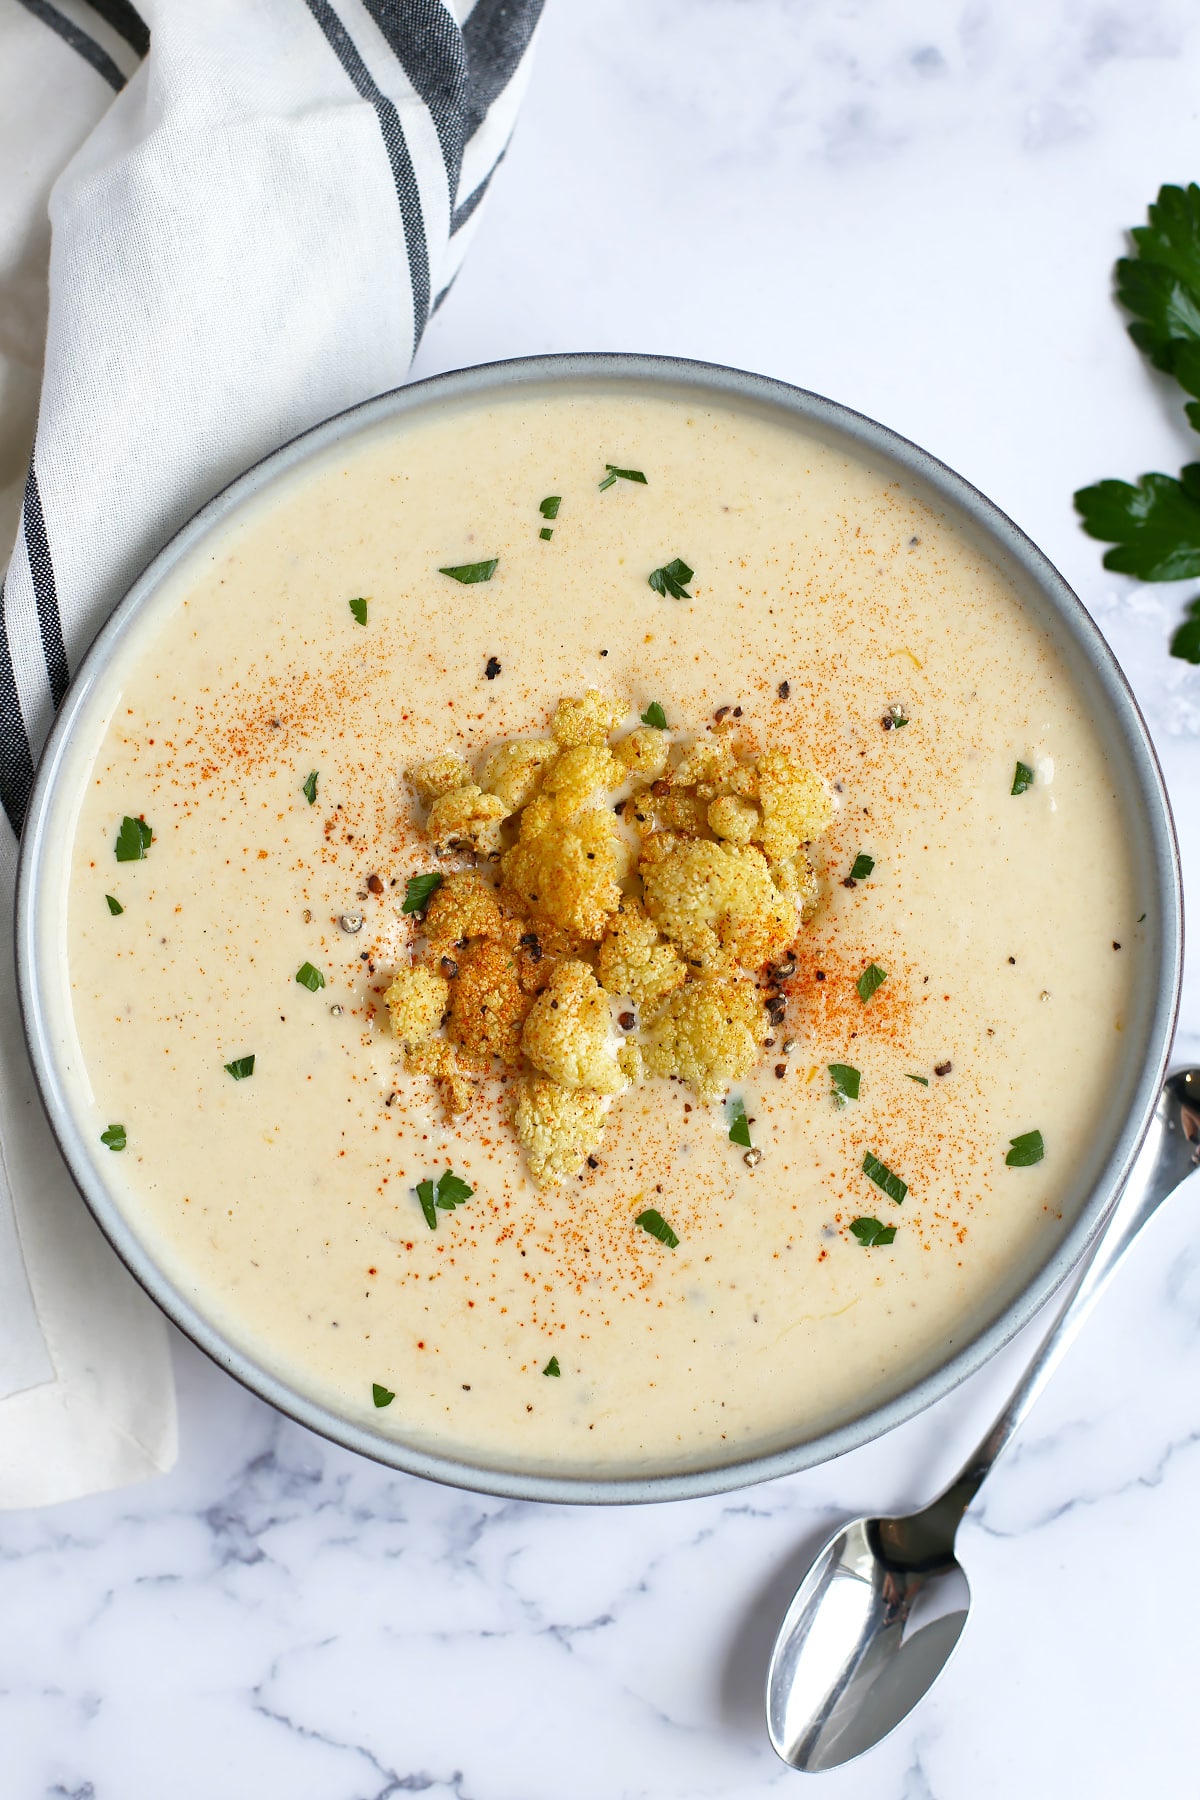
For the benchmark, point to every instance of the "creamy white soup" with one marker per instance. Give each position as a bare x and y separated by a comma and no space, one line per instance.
846,1238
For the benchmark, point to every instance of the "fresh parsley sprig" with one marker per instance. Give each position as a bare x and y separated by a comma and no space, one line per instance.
449,1191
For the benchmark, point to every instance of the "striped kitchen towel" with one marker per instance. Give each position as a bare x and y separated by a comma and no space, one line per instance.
220,221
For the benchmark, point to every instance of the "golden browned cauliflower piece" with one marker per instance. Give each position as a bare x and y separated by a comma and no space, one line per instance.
732,819
796,876
586,721
558,1127
793,802
658,844
579,773
567,871
634,960
466,819
513,772
709,761
709,1034
487,1002
416,1001
719,906
541,946
567,1032
682,812
441,775
454,1077
644,752
464,906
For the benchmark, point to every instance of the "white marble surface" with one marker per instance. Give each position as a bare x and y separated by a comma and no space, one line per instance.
912,206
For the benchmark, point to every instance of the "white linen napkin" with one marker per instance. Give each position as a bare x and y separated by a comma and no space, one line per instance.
218,225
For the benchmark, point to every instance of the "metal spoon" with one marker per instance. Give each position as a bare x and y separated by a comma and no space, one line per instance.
875,1619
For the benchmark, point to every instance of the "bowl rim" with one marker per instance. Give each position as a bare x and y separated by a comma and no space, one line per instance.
723,385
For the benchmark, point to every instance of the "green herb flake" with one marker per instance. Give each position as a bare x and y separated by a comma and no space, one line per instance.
845,1082
114,1137
114,906
896,719
240,1068
882,1176
1025,1150
420,889
863,866
133,840
657,1226
545,534
428,1204
380,1395
739,1125
469,573
359,610
870,981
452,1190
670,579
1185,643
870,1232
923,1079
1022,779
550,505
309,790
615,474
552,1367
309,977
654,715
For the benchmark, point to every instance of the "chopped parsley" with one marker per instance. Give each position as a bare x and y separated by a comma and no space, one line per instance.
133,840
870,981
615,474
309,977
863,865
845,1082
882,1176
895,718
448,1192
552,1367
657,1226
670,579
420,889
1022,779
550,505
114,1137
870,1232
114,906
923,1079
309,790
739,1124
359,609
1025,1150
380,1395
240,1067
468,573
654,715
545,533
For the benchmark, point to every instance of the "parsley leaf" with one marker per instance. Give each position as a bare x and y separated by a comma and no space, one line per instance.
670,579
923,1079
114,1137
1161,284
1022,779
870,981
428,1205
615,474
380,1395
359,609
309,977
468,573
1186,642
545,534
1155,526
863,865
552,1367
1026,1150
114,906
420,889
870,1231
452,1190
739,1125
845,1082
240,1067
882,1176
657,1226
654,715
550,505
133,840
309,790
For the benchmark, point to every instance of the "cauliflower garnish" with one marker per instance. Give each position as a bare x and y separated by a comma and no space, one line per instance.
522,964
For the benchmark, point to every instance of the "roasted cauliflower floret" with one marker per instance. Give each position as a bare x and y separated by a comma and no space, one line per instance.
709,761
586,721
416,1002
796,876
567,1032
567,871
487,1002
558,1127
794,804
513,772
709,1034
541,946
580,773
454,1077
465,906
634,960
718,905
732,819
644,752
466,819
441,775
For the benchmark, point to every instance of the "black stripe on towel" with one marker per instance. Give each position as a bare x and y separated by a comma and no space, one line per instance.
428,45
125,21
16,764
79,40
496,36
407,191
462,213
44,590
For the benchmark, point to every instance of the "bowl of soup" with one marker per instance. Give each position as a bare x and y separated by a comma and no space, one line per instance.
599,928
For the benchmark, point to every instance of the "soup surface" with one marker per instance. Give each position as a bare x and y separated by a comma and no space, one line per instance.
850,623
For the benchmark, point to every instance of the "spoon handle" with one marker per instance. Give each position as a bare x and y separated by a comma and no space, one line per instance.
1170,1153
